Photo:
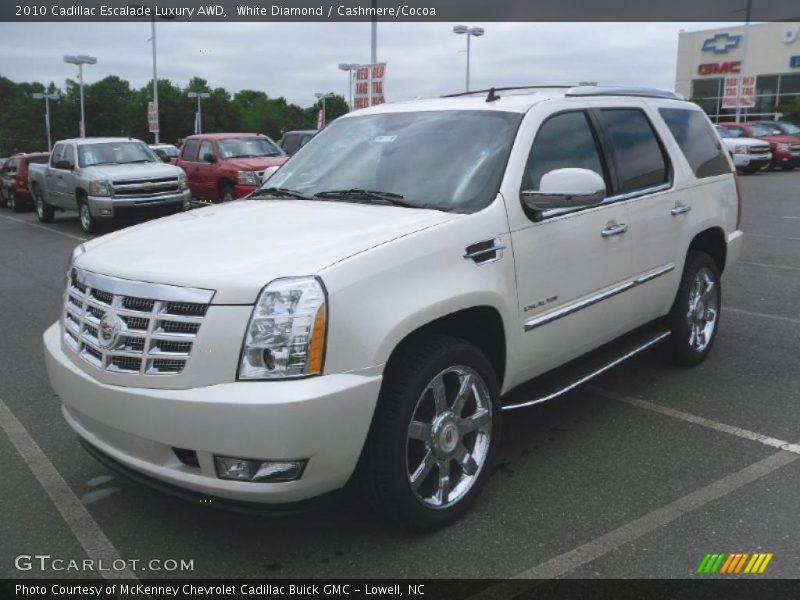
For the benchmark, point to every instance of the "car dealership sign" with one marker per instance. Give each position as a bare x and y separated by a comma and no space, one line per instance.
369,85
723,68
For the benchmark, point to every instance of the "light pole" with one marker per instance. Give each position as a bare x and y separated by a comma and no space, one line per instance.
80,60
349,67
322,97
155,71
470,31
46,98
198,124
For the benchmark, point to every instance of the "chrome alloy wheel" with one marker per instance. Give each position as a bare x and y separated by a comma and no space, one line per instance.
703,309
86,217
448,437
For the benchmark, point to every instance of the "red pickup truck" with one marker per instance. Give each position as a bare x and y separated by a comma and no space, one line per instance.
785,148
221,167
15,192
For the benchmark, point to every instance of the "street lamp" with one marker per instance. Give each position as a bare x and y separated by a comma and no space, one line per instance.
46,98
349,67
470,31
322,97
80,60
198,122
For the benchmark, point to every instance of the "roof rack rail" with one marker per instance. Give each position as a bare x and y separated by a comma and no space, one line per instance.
640,92
507,89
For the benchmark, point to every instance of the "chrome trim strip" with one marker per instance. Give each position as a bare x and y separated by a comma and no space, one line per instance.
661,187
574,307
641,348
140,289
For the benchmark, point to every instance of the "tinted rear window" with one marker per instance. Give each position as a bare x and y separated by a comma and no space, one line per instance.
637,153
697,141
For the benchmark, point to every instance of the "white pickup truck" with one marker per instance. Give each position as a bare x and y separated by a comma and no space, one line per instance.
749,154
409,276
104,179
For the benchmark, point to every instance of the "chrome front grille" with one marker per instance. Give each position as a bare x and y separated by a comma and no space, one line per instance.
144,188
759,149
124,326
794,147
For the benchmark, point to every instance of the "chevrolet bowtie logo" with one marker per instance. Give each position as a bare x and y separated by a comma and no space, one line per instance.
720,43
148,185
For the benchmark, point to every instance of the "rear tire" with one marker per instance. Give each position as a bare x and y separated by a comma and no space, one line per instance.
425,462
694,318
13,204
44,211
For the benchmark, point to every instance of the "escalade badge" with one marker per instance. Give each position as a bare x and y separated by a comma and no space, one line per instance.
108,331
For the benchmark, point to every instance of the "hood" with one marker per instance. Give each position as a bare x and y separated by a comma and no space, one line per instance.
782,139
745,141
131,171
257,163
239,247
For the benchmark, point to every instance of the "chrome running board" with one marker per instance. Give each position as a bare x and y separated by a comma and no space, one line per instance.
641,347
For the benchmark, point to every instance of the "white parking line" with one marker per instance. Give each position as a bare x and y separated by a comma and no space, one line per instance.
790,217
698,420
772,237
752,313
768,266
69,235
88,533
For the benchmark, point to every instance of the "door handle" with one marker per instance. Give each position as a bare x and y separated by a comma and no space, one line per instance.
614,229
680,209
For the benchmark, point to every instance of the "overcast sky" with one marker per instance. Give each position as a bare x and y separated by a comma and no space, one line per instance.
295,60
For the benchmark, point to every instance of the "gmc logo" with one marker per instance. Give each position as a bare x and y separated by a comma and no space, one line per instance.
719,68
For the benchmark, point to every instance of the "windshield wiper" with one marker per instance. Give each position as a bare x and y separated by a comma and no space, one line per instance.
275,192
367,196
108,162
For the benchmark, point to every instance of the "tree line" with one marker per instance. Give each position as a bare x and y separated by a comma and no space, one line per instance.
114,108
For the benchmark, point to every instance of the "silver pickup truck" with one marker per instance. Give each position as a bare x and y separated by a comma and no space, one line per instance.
104,179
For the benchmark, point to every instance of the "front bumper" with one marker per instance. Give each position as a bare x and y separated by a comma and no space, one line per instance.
322,419
108,207
786,158
240,191
750,161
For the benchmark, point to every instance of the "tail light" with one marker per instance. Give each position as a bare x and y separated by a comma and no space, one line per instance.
738,201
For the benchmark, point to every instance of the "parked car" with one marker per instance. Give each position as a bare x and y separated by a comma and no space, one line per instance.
221,167
105,179
14,183
749,154
785,148
292,141
166,152
367,315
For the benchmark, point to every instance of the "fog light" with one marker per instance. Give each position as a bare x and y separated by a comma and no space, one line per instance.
105,211
265,471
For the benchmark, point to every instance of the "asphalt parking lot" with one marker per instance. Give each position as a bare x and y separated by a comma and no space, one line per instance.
639,474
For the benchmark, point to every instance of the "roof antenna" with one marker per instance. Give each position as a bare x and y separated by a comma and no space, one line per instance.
492,97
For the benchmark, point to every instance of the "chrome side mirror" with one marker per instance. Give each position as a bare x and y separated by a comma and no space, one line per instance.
566,188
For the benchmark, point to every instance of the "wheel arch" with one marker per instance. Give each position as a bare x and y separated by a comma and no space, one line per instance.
712,241
481,325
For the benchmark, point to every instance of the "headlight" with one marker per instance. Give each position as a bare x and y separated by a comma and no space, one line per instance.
76,252
287,330
182,180
99,188
783,147
248,178
741,150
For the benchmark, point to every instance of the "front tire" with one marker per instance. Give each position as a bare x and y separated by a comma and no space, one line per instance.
434,433
89,224
226,193
44,211
694,318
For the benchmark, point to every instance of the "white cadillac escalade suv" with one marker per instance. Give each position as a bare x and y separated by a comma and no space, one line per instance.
367,316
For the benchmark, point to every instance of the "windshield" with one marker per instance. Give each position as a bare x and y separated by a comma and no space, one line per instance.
788,128
728,133
447,160
104,153
247,147
166,150
759,129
